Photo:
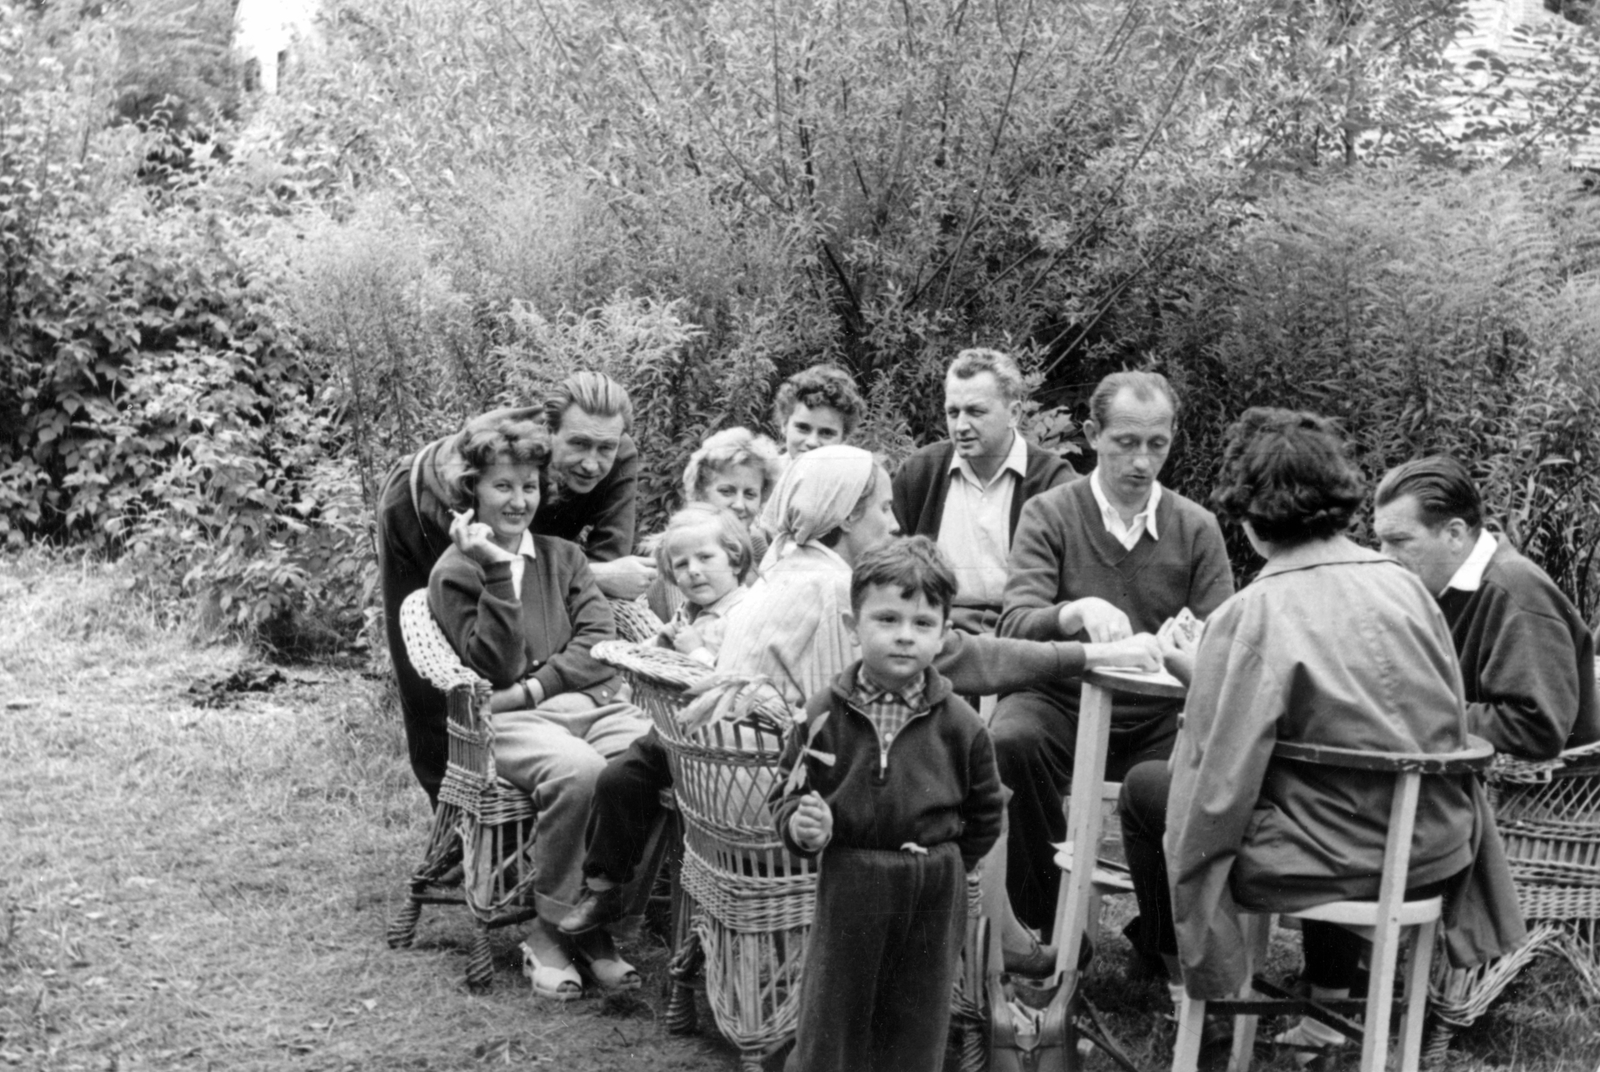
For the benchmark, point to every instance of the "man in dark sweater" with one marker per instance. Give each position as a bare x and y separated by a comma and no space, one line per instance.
1108,555
588,499
966,493
1527,659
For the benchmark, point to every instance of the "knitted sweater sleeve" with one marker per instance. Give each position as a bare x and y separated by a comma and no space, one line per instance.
982,810
480,614
1211,581
982,665
1033,576
1527,683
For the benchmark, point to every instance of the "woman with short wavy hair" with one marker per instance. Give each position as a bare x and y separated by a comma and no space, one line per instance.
523,611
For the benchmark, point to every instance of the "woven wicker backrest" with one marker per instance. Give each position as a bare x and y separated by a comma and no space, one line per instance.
636,622
427,646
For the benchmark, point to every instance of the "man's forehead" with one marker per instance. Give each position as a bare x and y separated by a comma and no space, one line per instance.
1133,409
978,387
576,423
1398,516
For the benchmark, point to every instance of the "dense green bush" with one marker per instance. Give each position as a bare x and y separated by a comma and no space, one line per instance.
1430,311
153,401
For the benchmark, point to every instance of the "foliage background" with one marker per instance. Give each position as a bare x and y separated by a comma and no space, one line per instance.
226,316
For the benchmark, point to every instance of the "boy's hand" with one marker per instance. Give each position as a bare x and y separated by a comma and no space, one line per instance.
811,825
688,640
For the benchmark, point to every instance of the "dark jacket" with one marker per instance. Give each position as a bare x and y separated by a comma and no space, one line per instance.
922,481
939,782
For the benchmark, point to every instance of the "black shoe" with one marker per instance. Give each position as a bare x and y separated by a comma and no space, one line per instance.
1040,961
594,909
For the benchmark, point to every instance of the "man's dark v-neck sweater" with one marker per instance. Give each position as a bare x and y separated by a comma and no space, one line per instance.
1527,659
1063,552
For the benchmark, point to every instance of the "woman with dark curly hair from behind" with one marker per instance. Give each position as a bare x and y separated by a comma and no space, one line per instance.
1332,644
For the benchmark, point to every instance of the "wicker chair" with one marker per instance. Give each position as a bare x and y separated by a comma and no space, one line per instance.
480,845
746,902
1549,817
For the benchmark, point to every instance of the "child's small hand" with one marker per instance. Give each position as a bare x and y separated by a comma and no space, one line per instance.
811,825
688,640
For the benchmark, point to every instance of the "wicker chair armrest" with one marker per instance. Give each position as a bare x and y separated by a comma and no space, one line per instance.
636,622
661,666
428,648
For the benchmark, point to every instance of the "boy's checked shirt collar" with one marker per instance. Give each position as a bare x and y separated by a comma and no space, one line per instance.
889,710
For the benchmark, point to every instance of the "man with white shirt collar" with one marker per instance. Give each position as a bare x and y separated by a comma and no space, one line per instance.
966,493
1106,556
1527,659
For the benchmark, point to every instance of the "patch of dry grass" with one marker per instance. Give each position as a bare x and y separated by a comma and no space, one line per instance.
184,887
195,888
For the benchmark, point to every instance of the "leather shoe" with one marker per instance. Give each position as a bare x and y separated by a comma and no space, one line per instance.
595,908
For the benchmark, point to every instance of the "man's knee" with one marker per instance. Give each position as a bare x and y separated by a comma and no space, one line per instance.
1143,800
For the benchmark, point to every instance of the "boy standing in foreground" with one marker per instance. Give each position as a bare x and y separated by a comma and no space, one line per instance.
907,806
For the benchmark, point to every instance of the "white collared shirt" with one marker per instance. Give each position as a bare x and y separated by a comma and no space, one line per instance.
1469,575
975,528
1144,521
520,563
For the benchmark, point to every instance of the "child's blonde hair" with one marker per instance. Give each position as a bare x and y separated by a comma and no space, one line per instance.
731,534
731,448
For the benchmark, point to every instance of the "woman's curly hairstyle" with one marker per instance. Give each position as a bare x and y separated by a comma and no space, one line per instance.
1286,472
820,385
479,447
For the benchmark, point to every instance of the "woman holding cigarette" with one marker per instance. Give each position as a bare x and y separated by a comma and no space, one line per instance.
523,611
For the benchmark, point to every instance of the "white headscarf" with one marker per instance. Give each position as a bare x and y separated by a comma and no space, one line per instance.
816,495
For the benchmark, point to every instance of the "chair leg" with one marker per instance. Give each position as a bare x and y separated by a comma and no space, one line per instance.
1191,1026
480,960
403,927
681,1014
1417,973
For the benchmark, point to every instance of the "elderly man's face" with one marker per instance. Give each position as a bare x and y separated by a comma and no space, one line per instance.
1132,447
1433,554
584,450
979,418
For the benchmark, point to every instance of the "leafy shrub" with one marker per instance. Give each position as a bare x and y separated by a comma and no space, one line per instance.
1430,311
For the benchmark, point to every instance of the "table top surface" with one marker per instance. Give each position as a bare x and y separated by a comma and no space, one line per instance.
1136,682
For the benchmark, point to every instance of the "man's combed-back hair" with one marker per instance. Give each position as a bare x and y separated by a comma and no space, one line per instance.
1287,473
479,448
978,360
819,385
595,393
1443,489
912,565
1144,385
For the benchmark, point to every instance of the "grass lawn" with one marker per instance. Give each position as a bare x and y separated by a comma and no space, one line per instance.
191,885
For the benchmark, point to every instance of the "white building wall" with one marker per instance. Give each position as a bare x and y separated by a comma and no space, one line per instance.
273,33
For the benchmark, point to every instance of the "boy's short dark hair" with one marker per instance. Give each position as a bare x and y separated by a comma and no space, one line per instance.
913,565
817,386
